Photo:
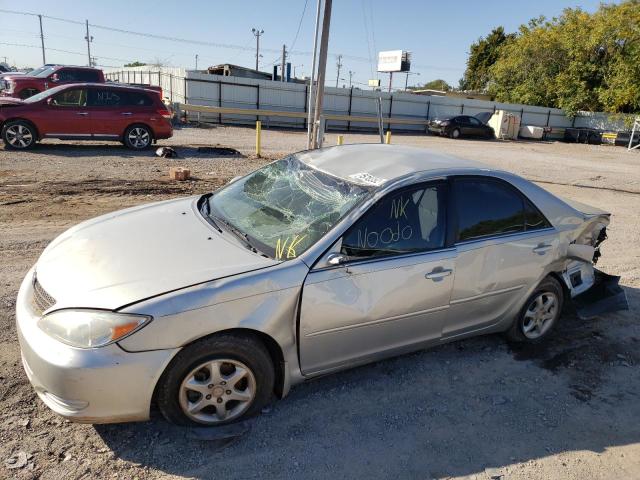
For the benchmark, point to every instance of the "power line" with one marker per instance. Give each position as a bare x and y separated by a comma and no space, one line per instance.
304,9
211,44
61,51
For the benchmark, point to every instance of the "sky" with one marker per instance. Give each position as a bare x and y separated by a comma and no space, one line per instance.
438,33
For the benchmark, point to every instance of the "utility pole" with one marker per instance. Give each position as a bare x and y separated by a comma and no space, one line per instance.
312,76
44,60
284,62
89,39
390,80
322,68
339,65
196,61
350,75
256,33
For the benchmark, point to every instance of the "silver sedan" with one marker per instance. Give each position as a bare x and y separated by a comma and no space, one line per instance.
315,263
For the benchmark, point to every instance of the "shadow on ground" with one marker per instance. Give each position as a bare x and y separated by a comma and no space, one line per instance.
453,410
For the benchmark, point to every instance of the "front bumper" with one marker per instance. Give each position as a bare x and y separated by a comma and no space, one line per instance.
95,385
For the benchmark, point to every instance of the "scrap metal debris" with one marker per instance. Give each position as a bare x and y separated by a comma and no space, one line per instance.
166,152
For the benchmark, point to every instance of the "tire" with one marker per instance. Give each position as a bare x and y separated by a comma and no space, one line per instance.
19,135
540,313
138,137
196,388
455,133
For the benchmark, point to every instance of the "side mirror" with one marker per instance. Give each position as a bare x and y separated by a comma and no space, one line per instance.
54,78
335,259
50,101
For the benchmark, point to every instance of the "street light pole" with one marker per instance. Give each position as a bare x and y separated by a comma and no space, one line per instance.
350,75
196,61
257,32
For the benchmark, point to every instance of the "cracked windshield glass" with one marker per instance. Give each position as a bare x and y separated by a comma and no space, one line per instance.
285,207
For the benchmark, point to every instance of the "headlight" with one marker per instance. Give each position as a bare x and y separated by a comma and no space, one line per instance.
90,328
445,123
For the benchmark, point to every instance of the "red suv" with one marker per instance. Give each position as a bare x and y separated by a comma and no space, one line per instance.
135,116
24,86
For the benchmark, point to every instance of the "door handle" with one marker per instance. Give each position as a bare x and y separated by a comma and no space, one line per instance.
82,113
542,248
126,113
438,274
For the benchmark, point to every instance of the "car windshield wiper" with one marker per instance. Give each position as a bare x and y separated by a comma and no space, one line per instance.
244,237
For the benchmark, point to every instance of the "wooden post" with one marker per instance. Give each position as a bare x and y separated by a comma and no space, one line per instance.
258,137
387,138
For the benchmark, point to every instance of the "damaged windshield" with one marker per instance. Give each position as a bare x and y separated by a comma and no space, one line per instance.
284,207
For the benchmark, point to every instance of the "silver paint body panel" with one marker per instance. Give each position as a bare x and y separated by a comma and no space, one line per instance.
166,261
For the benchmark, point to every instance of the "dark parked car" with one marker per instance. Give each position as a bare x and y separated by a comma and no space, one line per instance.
85,111
460,126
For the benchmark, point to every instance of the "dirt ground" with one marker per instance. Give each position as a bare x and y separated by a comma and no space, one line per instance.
479,408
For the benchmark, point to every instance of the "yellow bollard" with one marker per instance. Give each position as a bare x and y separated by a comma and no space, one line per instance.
387,138
340,140
258,136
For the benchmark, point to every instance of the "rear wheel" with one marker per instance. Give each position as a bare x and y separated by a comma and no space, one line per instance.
455,133
19,135
540,313
215,381
138,137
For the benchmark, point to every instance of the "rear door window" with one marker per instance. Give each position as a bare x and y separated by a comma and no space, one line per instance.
486,208
105,97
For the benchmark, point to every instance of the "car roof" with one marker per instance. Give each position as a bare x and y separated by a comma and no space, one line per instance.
378,164
106,84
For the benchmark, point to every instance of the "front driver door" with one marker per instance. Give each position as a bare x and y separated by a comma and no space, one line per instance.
66,115
392,292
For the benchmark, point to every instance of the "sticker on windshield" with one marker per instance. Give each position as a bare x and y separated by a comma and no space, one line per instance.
368,178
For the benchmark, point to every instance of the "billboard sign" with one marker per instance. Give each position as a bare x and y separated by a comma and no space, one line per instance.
394,61
374,83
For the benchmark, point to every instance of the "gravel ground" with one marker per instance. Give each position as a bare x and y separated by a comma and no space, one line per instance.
479,408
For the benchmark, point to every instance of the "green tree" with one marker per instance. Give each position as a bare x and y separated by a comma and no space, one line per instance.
135,64
482,55
578,61
437,84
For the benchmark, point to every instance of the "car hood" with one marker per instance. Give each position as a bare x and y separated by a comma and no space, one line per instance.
10,102
127,256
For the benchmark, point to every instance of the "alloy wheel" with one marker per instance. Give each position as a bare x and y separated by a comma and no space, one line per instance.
19,136
139,137
217,391
540,315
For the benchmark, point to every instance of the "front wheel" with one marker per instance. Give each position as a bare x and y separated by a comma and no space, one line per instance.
540,313
215,381
19,135
455,133
138,137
